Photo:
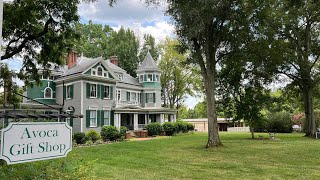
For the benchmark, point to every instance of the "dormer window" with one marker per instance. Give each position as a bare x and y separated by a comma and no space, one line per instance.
99,71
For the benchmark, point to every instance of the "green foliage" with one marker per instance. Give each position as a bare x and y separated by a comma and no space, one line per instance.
190,127
123,130
170,128
149,44
93,135
110,133
153,128
279,122
80,137
181,126
39,31
125,45
94,40
178,78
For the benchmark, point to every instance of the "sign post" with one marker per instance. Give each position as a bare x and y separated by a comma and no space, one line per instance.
34,141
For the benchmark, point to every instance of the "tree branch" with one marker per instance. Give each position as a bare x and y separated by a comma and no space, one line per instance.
26,40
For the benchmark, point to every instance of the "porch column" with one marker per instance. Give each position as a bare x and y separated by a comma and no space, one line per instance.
174,118
135,122
117,120
161,118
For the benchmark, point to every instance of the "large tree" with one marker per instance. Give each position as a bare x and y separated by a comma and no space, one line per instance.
125,45
39,31
94,39
290,32
178,78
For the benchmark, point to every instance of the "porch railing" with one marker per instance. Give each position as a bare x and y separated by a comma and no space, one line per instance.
141,126
126,103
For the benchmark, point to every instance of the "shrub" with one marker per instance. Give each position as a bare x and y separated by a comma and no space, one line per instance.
89,143
153,129
123,131
181,126
169,128
190,127
93,135
279,122
80,138
110,133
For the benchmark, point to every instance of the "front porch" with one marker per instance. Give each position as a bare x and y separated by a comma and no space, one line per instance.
138,120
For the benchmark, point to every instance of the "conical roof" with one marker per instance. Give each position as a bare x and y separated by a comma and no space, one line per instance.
148,64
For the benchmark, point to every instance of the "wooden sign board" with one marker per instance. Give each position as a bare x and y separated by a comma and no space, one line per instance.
34,141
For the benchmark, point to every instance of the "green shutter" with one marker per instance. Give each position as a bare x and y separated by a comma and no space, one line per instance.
145,77
98,118
71,91
102,118
64,92
98,91
88,90
71,121
146,97
111,92
87,118
112,118
154,97
102,91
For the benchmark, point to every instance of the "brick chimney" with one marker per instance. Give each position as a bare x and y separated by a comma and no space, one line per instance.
72,59
114,60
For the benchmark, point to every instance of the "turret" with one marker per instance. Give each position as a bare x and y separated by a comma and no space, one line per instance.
149,73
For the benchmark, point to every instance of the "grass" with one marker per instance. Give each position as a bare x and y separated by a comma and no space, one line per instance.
291,156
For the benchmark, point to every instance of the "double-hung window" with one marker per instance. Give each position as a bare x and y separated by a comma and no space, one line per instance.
93,90
93,118
69,92
149,77
106,117
133,97
106,92
128,96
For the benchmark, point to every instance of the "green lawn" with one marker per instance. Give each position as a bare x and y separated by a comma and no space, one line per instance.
184,157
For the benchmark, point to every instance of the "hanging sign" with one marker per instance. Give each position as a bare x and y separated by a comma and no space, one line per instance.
34,141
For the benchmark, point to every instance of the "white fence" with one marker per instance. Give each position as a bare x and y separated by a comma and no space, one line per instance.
238,129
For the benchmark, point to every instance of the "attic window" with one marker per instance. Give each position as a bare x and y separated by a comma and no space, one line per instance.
120,76
99,71
105,74
93,72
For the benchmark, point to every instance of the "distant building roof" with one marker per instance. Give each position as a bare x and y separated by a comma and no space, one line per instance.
148,64
220,120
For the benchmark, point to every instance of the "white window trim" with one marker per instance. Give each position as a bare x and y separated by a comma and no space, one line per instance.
69,85
94,97
96,118
109,91
109,118
44,93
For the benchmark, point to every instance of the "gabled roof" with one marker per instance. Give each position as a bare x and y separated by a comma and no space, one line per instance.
148,64
82,65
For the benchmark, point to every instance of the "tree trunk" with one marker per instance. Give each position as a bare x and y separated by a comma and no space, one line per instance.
251,129
213,127
309,111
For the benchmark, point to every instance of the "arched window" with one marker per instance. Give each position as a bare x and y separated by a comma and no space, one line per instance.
99,71
48,93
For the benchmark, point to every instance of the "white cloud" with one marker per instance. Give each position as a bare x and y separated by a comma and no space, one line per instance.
123,13
133,14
